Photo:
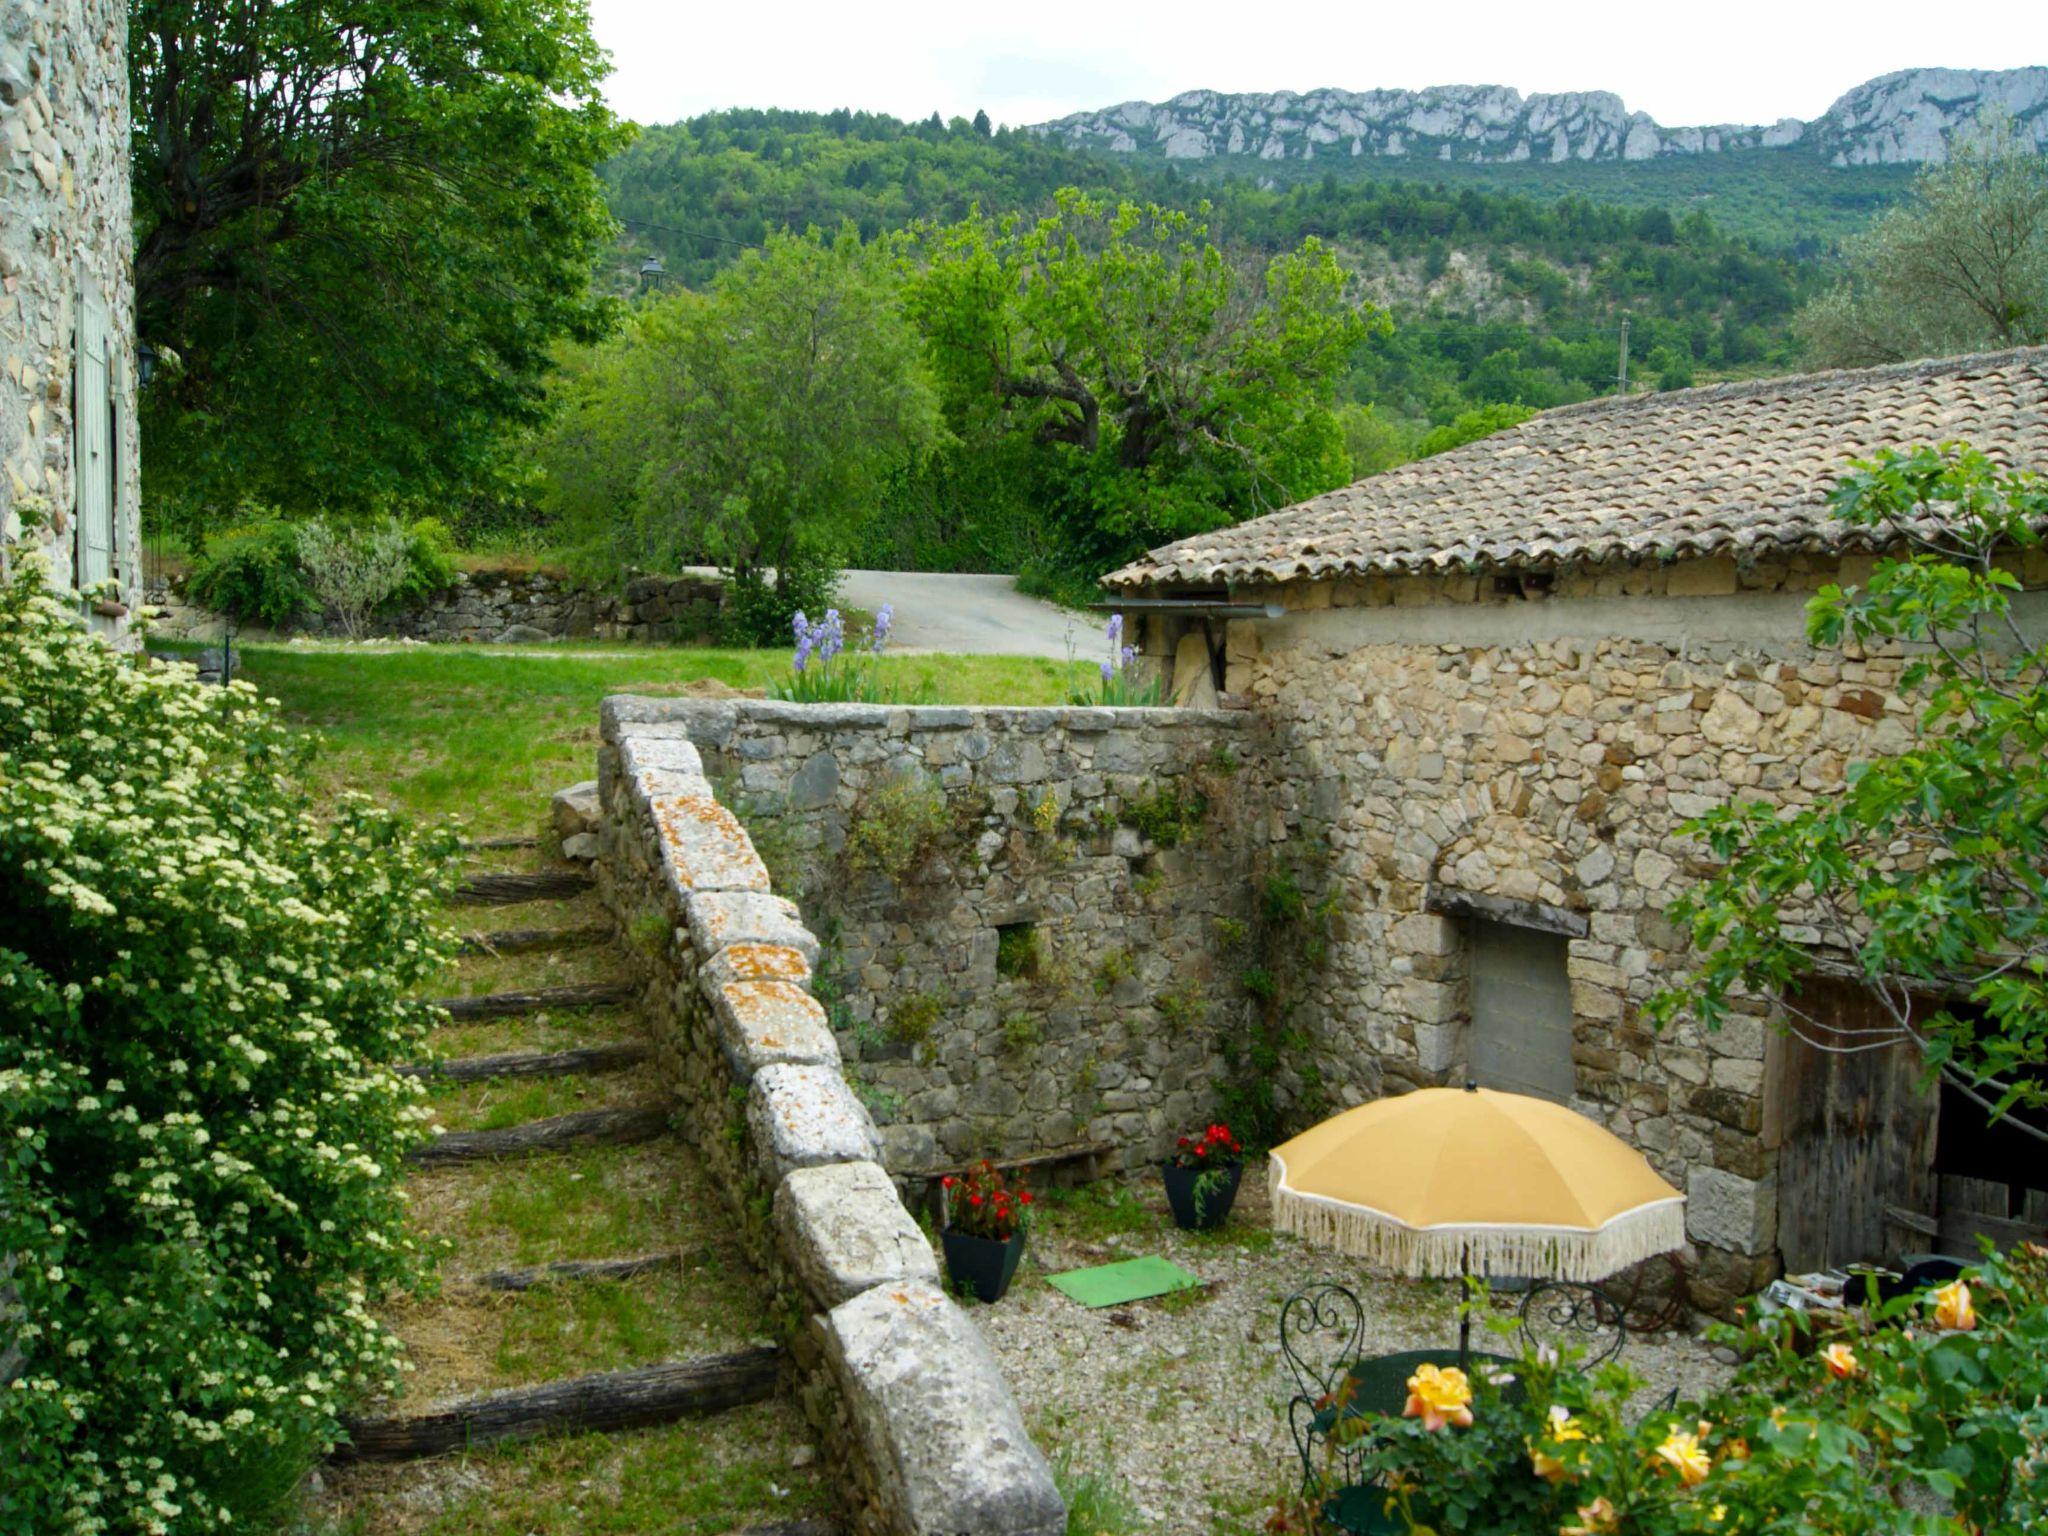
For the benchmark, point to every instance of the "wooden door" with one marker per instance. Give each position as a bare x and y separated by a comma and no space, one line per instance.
1521,1010
1856,1135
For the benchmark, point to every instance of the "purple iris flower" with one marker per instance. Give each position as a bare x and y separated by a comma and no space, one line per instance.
1116,629
1130,654
884,617
1108,673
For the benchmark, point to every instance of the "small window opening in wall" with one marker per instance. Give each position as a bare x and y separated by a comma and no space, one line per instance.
1017,950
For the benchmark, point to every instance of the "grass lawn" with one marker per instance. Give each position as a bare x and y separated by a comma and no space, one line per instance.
488,735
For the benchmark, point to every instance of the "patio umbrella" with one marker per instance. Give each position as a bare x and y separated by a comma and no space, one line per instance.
1451,1182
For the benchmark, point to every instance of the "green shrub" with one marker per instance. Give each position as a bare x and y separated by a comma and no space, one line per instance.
1166,816
913,1019
430,562
206,976
897,827
1909,1416
1021,1033
252,574
759,612
1018,952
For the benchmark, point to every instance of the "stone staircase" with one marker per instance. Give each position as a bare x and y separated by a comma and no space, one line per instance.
594,1299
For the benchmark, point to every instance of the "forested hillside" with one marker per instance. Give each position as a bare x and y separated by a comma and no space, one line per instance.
1496,298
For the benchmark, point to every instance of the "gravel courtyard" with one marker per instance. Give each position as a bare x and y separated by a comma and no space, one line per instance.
1175,1408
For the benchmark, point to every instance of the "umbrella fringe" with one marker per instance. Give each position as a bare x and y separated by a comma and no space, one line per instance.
1556,1253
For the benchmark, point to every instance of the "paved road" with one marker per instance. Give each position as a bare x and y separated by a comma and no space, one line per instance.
975,615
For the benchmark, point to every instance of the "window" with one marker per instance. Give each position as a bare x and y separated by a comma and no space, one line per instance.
1521,1009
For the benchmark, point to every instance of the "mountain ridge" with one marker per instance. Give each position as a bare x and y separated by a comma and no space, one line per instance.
1903,118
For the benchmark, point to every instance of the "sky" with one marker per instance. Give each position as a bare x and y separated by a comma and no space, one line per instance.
1734,62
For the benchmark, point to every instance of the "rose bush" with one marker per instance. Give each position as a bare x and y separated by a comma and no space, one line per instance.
1929,1414
205,979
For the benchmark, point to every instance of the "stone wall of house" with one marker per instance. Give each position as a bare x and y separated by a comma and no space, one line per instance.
1044,970
905,1393
64,231
1540,742
512,607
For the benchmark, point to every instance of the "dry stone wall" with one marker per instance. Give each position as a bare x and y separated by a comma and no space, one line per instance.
905,1392
64,232
1044,970
512,607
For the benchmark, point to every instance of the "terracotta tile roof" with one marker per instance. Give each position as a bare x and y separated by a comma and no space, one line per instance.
1729,469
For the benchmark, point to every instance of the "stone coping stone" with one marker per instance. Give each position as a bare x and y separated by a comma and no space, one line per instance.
754,962
937,1419
846,1231
675,754
704,847
718,919
763,1023
652,784
806,1117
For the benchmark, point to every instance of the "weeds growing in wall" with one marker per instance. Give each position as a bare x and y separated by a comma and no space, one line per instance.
1286,941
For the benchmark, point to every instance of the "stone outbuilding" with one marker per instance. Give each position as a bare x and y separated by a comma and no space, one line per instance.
1500,679
68,439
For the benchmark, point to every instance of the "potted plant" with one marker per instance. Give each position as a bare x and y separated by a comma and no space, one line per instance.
1202,1177
983,1222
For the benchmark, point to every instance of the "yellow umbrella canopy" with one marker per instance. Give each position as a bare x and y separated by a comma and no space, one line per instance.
1446,1181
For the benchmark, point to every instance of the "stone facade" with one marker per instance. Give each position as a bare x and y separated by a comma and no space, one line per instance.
515,607
904,1391
65,273
1536,744
1046,972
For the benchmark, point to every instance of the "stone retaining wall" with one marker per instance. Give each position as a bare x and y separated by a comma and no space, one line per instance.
903,1389
514,607
1046,971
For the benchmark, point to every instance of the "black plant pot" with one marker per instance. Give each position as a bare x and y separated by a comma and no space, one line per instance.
982,1264
1201,1210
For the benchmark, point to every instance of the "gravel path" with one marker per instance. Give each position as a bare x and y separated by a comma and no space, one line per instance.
1181,1401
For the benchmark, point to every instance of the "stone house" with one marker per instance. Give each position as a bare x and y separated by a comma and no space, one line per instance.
68,440
1499,680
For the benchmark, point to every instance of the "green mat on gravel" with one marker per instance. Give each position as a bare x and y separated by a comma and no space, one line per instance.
1107,1285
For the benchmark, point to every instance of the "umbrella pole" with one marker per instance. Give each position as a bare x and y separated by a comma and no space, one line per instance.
1464,1310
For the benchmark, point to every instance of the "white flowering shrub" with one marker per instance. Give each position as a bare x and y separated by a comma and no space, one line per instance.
204,978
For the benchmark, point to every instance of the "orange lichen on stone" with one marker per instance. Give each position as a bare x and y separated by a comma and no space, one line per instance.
706,847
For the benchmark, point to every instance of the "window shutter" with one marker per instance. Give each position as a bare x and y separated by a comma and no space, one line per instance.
92,445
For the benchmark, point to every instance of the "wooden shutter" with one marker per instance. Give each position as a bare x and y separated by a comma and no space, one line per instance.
1521,1010
92,441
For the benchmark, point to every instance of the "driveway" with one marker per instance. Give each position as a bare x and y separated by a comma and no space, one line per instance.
974,615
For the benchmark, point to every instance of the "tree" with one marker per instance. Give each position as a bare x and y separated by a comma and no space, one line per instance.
749,425
1929,871
982,125
1164,386
1470,427
1961,266
361,229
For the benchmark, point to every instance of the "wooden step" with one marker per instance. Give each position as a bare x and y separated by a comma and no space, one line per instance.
501,1005
613,1056
489,890
492,844
584,1128
531,1275
652,1394
519,941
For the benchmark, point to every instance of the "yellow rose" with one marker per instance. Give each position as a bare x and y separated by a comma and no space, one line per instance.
1952,1307
1595,1519
1687,1457
1841,1361
1562,1425
1439,1396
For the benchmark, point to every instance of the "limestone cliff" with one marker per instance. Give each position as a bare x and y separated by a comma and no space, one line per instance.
1905,117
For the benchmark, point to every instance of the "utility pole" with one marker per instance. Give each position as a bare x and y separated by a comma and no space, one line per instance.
1621,366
